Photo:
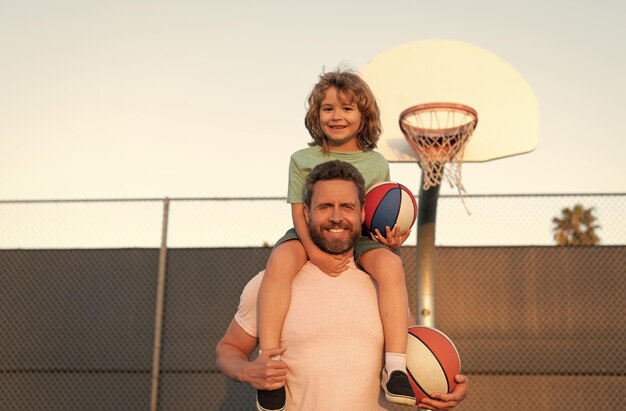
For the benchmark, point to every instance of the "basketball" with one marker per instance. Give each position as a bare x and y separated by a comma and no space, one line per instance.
388,204
432,361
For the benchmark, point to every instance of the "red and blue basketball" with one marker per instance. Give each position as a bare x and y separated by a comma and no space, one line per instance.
388,204
432,361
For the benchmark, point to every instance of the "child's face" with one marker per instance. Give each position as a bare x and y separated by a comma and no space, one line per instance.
340,120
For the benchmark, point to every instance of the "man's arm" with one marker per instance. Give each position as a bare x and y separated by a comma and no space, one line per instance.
233,351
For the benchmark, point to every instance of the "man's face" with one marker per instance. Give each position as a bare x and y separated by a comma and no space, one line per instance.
335,216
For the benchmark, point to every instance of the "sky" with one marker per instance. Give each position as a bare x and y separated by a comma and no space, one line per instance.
147,99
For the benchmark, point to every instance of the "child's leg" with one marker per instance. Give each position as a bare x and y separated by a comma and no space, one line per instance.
386,268
393,303
275,291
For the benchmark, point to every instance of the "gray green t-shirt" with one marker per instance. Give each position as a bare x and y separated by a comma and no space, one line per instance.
370,163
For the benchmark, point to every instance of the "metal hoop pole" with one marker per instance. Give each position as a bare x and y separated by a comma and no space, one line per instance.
426,217
448,136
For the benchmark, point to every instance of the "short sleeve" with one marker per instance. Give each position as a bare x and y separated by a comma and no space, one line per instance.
295,190
246,312
387,173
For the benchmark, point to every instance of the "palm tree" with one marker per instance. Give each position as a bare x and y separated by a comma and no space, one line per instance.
576,227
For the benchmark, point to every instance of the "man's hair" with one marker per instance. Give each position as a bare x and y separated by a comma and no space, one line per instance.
334,170
354,88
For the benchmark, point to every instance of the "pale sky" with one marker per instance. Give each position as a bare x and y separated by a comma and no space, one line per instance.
135,99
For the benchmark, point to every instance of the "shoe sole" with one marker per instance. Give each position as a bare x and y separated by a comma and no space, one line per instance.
399,399
259,408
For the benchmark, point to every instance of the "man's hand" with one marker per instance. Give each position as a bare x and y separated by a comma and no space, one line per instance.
393,238
265,373
448,401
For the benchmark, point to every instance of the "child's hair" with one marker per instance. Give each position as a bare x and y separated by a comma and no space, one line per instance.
353,86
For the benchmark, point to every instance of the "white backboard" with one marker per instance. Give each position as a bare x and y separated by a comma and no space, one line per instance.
430,71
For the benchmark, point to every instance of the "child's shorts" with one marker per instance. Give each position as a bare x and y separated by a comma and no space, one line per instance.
362,245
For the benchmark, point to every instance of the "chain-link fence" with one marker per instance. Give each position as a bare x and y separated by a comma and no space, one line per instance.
538,327
495,220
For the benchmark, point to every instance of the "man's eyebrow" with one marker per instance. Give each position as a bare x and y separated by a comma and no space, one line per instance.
325,203
331,203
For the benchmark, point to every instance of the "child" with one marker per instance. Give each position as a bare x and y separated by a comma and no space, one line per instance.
343,119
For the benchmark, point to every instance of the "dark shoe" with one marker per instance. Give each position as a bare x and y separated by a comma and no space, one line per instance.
273,400
397,388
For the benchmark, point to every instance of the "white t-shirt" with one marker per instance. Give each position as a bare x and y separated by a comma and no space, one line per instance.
334,340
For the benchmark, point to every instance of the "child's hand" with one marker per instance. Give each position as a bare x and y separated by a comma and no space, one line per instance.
393,238
330,264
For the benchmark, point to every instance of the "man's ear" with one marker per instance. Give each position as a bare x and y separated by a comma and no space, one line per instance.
305,211
363,214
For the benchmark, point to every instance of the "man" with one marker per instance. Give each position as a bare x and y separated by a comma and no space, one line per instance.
332,335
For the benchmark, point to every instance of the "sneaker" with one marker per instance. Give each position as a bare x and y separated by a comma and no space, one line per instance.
272,400
397,388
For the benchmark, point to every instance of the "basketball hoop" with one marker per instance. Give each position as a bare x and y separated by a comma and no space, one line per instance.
438,133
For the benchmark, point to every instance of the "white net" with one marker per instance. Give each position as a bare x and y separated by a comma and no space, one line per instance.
438,132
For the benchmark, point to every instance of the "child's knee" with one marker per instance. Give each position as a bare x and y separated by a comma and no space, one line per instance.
382,257
390,258
286,260
383,264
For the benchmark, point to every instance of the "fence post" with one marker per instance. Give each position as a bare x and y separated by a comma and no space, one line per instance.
158,316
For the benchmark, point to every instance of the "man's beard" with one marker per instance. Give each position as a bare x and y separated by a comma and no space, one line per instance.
333,246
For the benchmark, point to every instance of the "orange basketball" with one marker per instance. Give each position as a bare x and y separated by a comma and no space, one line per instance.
432,361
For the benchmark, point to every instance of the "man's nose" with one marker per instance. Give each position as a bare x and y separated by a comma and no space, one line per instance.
335,215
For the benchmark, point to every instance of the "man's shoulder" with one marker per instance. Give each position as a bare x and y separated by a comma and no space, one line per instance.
252,286
247,310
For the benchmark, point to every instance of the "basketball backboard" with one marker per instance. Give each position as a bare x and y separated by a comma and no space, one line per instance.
452,71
